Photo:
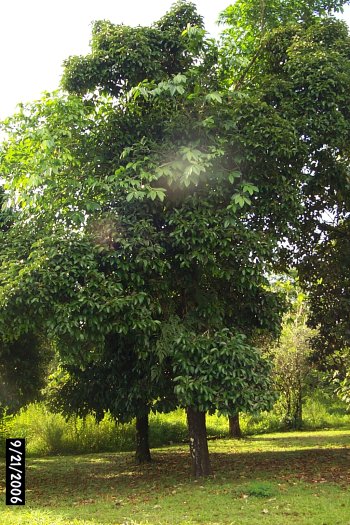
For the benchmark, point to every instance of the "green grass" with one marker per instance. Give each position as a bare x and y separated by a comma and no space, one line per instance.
276,479
49,433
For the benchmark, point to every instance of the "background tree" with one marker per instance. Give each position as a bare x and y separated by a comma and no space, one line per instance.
25,360
252,22
292,369
23,371
308,44
234,429
341,376
325,274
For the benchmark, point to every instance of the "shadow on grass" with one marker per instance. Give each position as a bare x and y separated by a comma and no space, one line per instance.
305,441
89,475
310,465
94,483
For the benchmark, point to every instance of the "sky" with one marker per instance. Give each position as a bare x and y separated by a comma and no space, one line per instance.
36,36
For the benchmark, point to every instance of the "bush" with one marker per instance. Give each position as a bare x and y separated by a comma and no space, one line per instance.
5,430
49,433
319,411
166,429
318,415
261,423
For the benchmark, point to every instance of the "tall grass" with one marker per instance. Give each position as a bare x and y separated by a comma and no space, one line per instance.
319,412
49,433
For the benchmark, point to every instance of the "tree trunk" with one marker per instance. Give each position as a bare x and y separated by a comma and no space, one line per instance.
234,427
299,409
198,443
143,454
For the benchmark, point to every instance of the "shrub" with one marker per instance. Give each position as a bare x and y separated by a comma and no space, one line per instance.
49,433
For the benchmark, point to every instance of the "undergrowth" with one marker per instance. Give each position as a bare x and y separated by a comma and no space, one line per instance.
49,433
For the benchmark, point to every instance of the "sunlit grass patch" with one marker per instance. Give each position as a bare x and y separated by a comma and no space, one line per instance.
258,489
28,516
275,479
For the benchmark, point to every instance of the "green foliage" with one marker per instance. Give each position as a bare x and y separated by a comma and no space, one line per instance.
325,273
118,381
251,23
170,186
319,411
341,376
263,423
114,216
26,356
322,413
49,433
23,371
218,371
270,14
292,368
6,424
122,57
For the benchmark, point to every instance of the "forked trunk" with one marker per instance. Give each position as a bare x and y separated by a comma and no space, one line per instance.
198,443
143,454
234,426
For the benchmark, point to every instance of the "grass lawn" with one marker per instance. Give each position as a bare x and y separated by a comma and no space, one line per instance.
282,479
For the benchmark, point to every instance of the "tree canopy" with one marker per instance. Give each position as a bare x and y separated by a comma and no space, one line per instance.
153,200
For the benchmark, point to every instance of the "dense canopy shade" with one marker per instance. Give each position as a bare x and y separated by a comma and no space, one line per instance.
153,201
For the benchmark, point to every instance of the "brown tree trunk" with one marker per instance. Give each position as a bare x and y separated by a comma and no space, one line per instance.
198,443
234,426
143,453
299,409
